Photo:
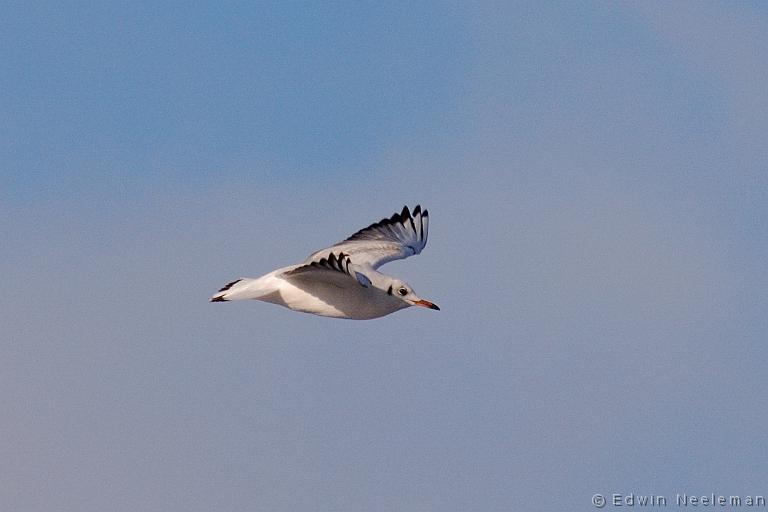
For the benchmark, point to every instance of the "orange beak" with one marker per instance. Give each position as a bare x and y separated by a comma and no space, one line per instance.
426,304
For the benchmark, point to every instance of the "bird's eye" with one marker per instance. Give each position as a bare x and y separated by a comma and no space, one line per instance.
403,292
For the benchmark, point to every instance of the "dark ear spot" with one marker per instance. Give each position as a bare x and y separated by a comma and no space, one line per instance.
389,291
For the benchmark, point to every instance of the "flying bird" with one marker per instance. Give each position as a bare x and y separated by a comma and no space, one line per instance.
342,281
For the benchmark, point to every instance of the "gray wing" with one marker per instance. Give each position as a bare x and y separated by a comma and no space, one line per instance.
331,269
397,237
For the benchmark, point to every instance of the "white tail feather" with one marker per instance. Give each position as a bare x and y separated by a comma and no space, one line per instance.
241,289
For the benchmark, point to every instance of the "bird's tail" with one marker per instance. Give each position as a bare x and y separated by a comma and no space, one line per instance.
240,289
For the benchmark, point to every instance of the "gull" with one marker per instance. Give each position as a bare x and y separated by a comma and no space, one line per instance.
342,281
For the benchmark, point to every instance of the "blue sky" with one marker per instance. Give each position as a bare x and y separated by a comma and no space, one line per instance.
596,179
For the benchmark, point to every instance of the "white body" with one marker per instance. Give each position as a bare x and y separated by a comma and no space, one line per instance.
345,299
342,281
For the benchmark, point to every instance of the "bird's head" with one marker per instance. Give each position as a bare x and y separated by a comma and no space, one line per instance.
403,291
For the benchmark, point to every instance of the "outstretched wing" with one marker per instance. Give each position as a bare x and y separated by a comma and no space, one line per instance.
401,235
333,269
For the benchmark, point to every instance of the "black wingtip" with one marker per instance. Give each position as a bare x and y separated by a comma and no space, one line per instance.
229,285
402,217
219,299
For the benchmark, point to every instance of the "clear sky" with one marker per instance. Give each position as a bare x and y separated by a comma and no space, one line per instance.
597,179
